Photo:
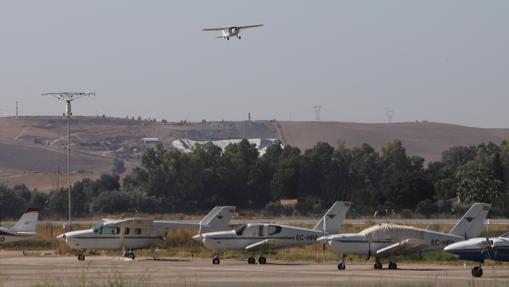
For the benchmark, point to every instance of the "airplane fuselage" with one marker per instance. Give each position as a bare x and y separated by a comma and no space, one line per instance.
277,236
479,249
369,243
111,238
7,236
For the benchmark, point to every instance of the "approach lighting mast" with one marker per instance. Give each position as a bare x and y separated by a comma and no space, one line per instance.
68,97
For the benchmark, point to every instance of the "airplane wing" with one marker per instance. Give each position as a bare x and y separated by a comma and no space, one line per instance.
250,26
264,245
215,29
403,247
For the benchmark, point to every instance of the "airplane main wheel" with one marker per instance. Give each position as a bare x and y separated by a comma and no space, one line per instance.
240,37
477,271
81,257
341,265
251,260
377,265
216,261
392,265
262,260
130,255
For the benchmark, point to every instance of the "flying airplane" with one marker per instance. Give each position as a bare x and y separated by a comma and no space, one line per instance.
138,233
261,237
24,229
391,240
233,31
479,249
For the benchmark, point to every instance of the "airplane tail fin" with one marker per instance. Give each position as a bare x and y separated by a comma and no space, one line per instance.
470,225
218,218
28,221
333,218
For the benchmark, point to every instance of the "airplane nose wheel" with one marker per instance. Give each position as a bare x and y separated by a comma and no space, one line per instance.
251,260
130,255
341,265
81,257
262,260
477,271
216,261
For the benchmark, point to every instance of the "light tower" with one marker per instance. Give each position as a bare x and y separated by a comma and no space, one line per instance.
390,115
317,109
68,97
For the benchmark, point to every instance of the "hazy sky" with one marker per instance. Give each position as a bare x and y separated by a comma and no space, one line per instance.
444,61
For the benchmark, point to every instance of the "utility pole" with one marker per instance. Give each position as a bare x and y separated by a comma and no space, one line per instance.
17,110
317,109
68,97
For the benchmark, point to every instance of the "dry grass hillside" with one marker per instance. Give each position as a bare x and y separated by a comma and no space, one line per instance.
32,148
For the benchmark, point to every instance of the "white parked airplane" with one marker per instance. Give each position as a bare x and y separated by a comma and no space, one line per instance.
391,240
24,229
265,236
479,249
233,31
138,233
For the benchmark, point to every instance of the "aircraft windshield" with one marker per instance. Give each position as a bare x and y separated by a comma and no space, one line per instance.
239,230
98,228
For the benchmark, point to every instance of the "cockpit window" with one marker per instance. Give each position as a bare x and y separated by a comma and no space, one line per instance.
274,229
98,228
239,230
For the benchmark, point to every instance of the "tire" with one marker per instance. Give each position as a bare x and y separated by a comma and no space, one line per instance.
477,271
216,261
131,256
251,260
262,260
81,257
341,266
377,266
393,266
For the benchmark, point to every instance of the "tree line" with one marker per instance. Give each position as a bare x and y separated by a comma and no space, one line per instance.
168,180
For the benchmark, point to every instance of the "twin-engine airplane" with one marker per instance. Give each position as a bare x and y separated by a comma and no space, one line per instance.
262,237
391,240
138,233
24,229
479,249
233,31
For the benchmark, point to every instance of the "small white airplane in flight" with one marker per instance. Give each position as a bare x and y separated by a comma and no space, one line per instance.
24,229
228,32
479,249
391,240
264,237
138,233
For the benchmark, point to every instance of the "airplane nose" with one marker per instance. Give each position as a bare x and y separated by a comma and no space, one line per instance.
323,239
62,236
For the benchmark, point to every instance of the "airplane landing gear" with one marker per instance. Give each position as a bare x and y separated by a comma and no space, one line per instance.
216,260
393,265
262,260
240,37
378,264
477,271
342,264
81,257
228,38
251,260
129,254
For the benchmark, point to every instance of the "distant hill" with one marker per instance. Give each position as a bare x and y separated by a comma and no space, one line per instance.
32,148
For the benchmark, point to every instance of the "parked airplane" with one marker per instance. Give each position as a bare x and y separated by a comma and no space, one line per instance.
391,240
24,229
138,233
479,249
265,236
233,31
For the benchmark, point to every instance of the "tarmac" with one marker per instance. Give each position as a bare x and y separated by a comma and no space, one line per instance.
16,270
